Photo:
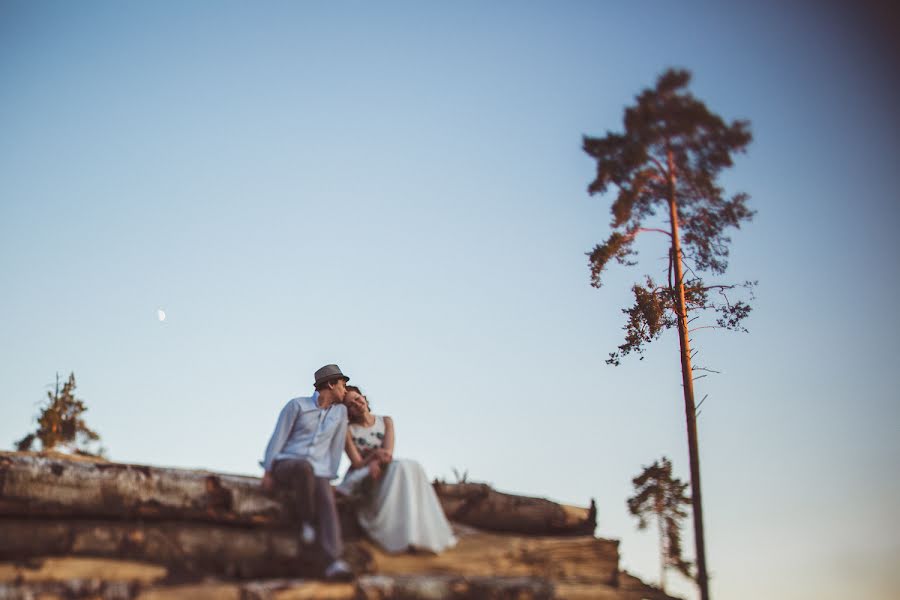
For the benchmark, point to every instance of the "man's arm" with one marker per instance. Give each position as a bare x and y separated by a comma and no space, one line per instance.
279,438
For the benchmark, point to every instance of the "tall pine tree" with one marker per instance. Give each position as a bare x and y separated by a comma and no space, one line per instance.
667,162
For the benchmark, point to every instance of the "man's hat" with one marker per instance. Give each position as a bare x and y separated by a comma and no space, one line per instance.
329,373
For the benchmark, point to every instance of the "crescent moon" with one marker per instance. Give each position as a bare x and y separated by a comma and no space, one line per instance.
161,314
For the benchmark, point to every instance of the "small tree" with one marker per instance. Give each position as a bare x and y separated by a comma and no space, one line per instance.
658,493
669,159
60,422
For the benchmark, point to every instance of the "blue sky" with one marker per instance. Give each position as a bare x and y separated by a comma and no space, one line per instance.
400,188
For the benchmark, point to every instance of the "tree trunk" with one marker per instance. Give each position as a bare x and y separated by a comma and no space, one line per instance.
688,383
46,486
662,552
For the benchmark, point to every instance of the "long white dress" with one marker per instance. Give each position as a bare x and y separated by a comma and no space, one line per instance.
404,512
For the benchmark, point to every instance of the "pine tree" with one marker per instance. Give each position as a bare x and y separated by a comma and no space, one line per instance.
60,422
659,494
668,159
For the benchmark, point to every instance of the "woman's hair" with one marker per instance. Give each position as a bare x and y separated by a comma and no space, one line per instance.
353,388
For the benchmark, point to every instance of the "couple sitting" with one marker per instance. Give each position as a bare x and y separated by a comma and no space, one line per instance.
303,455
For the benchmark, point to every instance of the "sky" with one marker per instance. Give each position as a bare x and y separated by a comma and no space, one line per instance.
399,188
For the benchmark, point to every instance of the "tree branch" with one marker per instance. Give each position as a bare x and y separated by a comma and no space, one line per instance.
705,396
662,171
671,266
657,230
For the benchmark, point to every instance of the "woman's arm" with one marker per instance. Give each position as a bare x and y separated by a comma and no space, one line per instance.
356,458
356,461
386,452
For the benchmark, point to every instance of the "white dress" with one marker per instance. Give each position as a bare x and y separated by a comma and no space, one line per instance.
404,511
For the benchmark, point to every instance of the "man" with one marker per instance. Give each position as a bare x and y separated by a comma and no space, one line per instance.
303,457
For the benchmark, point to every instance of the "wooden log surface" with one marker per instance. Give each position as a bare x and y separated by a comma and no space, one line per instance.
43,486
567,558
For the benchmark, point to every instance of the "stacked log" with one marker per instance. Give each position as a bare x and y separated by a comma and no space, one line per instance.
36,485
194,525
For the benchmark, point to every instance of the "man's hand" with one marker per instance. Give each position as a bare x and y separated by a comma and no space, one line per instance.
375,470
268,482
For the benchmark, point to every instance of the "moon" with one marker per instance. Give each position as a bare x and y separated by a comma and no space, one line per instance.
161,314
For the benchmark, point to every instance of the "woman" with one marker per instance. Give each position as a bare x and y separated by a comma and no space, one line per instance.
403,512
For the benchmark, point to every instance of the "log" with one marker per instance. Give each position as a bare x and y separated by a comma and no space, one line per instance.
479,505
190,550
420,587
43,486
185,549
36,485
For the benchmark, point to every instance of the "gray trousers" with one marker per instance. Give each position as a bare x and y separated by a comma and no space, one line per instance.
313,503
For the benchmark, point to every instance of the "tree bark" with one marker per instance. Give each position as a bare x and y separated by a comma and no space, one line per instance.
46,486
687,379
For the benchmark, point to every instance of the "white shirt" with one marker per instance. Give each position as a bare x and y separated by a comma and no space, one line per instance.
304,430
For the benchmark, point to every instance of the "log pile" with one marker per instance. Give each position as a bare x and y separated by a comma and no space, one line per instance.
94,529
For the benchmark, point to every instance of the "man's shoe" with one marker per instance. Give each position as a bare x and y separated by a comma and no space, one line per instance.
307,534
338,571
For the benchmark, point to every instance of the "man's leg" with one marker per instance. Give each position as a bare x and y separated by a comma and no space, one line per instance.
297,475
328,521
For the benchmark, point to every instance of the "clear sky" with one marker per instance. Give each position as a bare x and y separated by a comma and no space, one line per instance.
400,188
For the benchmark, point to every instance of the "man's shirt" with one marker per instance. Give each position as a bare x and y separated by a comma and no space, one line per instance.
306,431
